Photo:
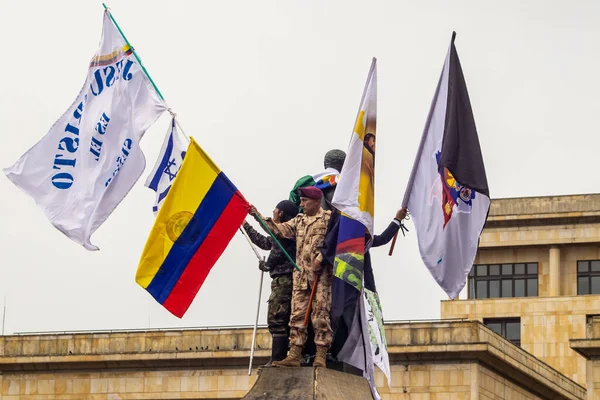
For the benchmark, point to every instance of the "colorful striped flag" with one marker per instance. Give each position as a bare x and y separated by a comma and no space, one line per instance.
326,179
353,305
355,194
198,218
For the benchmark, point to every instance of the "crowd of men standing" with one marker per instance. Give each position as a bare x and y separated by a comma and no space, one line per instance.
301,225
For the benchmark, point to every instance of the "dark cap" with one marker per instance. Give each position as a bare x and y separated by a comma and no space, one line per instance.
289,209
310,192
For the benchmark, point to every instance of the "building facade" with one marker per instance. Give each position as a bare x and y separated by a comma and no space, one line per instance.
528,329
456,360
536,278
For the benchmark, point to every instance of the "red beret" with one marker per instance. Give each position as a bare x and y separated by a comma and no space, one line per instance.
311,192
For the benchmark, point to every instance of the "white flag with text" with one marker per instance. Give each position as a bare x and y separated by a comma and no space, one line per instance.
90,159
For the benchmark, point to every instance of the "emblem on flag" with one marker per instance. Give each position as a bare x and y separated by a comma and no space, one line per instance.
200,215
454,196
449,156
167,165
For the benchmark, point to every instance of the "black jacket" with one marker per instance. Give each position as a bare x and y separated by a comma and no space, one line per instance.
378,240
277,262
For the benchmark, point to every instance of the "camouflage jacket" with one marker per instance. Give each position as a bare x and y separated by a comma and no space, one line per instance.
277,263
309,233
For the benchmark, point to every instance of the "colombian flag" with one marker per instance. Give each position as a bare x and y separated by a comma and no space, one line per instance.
200,215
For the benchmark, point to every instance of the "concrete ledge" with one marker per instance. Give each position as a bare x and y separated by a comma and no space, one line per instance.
473,341
550,206
408,343
588,348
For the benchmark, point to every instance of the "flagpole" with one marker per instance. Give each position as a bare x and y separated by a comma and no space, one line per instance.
262,276
266,228
4,316
133,51
393,244
250,243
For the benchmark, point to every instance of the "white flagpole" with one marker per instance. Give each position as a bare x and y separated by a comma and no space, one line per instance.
250,243
4,316
262,275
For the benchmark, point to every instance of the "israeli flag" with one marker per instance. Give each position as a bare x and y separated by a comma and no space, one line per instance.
167,165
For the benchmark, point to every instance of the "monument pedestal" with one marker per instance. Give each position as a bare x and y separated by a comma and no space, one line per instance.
308,384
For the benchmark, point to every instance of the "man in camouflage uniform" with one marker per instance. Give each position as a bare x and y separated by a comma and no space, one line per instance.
309,231
333,163
280,269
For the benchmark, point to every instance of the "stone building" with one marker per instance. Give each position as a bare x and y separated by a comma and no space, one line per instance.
527,330
430,361
536,279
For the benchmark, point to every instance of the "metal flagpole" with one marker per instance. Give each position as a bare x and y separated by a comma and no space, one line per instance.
266,228
139,60
250,243
133,51
262,276
4,316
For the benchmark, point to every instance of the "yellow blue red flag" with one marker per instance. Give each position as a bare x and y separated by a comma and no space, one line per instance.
198,218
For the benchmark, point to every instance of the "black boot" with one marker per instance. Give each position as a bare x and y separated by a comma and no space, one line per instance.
279,348
281,342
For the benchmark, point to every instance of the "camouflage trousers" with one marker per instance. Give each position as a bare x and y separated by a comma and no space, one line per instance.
280,301
320,314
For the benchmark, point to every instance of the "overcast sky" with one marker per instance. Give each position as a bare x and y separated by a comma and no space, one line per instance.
267,87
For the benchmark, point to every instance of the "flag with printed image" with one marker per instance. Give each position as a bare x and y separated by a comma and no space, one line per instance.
361,342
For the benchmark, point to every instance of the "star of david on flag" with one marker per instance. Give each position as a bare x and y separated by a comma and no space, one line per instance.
167,165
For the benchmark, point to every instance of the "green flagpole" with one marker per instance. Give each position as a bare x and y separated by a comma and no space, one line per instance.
133,51
266,228
163,99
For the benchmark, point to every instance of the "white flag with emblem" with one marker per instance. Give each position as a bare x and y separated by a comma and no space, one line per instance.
167,165
90,159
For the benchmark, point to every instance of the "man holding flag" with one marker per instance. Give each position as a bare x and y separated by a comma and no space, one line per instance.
281,271
312,280
353,236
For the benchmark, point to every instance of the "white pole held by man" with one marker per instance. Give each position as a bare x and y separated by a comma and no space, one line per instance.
262,276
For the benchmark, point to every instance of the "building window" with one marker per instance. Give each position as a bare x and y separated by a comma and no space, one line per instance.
589,325
509,328
588,277
487,281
